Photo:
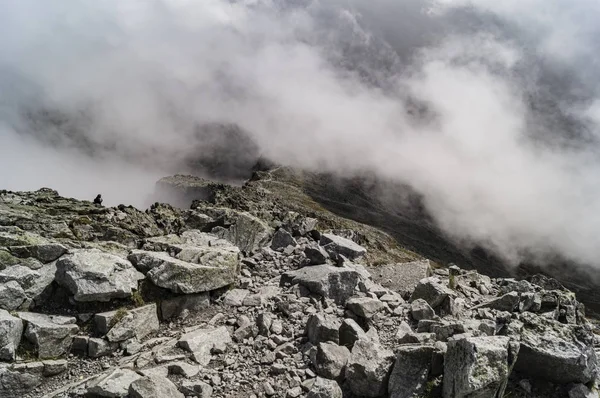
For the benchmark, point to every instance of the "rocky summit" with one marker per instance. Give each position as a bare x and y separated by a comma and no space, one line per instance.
248,293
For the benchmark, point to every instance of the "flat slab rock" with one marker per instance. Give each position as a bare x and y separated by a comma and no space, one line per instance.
154,387
193,269
119,326
337,283
52,335
401,277
93,275
114,385
203,342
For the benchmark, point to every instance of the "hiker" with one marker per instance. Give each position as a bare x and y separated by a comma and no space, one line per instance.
98,200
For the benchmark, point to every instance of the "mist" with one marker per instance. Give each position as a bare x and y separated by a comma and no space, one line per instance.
489,110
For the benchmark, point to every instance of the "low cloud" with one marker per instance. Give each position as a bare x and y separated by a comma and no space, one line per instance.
489,110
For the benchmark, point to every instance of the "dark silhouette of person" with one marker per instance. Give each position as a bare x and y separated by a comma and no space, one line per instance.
98,200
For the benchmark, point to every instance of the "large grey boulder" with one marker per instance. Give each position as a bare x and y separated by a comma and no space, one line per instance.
368,369
203,342
93,275
478,366
330,360
364,307
44,252
556,352
432,290
402,277
337,283
31,284
282,239
411,371
114,385
11,329
508,302
336,245
192,269
18,382
51,335
321,328
324,388
350,332
122,325
420,309
154,387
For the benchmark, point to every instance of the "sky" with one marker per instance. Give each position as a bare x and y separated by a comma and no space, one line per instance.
490,110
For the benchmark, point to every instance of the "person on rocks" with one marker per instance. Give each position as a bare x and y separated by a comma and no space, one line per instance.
98,200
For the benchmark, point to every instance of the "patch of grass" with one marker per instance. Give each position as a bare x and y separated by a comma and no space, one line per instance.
137,299
119,315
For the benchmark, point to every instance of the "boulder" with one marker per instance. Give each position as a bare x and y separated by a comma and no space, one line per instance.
582,391
508,302
336,283
350,332
32,282
11,329
12,296
368,369
203,342
420,309
55,367
322,328
556,352
114,385
138,323
478,366
192,270
235,297
411,371
154,387
97,348
336,245
315,255
93,275
51,335
324,388
282,239
330,360
405,334
364,307
196,389
18,382
433,291
402,277
44,252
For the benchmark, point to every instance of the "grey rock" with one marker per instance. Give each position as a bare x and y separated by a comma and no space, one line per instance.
330,360
204,268
45,252
478,366
337,245
337,283
93,275
264,320
433,291
282,239
138,323
350,332
420,309
18,383
556,352
50,334
244,230
12,296
11,329
322,328
364,307
508,302
202,342
154,387
55,367
323,388
196,389
114,385
581,391
184,369
80,345
235,297
411,371
405,334
99,347
402,277
175,306
32,282
368,369
316,255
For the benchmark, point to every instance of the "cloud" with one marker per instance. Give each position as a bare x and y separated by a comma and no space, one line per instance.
482,107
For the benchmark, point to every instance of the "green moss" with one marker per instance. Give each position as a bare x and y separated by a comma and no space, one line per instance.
119,315
137,299
7,259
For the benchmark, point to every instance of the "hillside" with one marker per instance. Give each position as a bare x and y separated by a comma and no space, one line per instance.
262,291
